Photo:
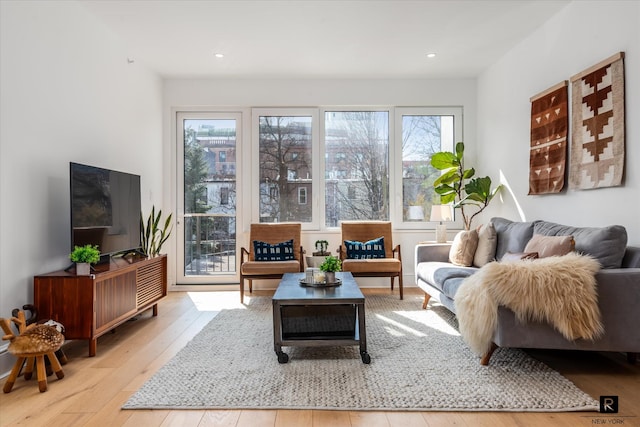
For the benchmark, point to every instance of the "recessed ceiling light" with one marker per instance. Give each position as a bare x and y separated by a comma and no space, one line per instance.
431,55
219,55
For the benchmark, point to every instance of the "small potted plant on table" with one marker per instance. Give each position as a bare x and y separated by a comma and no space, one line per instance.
84,256
330,266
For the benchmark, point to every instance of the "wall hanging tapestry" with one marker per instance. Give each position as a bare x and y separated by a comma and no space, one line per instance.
597,146
549,129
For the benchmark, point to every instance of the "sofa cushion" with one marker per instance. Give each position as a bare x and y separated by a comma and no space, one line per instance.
463,248
511,236
606,244
365,250
547,246
450,286
487,241
437,273
373,265
264,251
258,268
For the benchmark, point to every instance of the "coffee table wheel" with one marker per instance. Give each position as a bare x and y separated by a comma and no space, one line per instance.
366,359
282,357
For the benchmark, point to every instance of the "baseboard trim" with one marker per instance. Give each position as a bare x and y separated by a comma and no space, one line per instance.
6,361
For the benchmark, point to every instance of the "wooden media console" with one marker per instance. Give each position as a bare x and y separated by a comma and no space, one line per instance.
90,306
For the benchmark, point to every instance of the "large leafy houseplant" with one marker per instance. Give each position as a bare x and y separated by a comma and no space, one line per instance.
457,185
152,235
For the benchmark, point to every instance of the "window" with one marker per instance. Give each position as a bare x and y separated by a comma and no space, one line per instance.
224,196
367,155
284,164
302,196
358,143
351,192
423,132
206,196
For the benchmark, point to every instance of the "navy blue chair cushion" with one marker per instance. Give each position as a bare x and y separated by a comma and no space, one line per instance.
282,251
367,250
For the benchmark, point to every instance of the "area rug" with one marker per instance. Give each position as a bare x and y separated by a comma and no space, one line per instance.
418,363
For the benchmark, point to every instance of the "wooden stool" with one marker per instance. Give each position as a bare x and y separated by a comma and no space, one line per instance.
31,346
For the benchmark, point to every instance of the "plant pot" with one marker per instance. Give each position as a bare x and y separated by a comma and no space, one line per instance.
315,261
83,269
330,277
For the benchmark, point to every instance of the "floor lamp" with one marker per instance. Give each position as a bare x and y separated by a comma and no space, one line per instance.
441,213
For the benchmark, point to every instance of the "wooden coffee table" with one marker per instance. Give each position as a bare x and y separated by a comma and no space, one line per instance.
318,316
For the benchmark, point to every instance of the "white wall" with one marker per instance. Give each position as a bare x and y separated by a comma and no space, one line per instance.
183,95
580,35
68,94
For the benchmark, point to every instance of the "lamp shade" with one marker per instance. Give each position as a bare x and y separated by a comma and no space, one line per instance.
441,213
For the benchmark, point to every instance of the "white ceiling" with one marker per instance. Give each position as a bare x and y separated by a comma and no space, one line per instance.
321,39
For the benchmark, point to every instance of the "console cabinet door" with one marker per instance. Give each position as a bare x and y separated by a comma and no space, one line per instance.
69,300
115,300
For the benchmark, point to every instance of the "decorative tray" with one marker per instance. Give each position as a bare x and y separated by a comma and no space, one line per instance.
303,282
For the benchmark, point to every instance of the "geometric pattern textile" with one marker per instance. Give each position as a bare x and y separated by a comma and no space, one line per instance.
278,252
367,250
549,130
598,139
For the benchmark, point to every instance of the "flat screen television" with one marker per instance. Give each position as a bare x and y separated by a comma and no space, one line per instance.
105,209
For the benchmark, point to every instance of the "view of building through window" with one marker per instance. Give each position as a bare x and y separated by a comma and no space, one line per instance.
356,166
356,183
209,196
422,136
285,168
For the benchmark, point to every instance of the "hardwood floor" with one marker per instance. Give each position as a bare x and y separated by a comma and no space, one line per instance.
94,389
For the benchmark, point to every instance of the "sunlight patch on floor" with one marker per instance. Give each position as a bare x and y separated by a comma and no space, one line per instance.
398,325
431,320
216,301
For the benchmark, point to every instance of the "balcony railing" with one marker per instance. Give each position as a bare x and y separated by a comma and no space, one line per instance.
209,245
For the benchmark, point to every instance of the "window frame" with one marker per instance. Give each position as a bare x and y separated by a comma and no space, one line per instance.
256,113
397,217
368,108
179,114
318,155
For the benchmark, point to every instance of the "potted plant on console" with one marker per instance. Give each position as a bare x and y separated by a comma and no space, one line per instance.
152,236
84,256
330,266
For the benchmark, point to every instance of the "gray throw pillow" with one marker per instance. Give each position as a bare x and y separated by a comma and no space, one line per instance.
606,244
511,236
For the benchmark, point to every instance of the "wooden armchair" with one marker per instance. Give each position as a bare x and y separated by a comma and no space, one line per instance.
364,231
272,233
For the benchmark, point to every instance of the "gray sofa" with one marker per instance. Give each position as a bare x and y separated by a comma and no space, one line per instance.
618,284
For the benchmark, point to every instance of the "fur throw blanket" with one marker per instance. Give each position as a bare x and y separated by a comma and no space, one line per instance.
560,290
